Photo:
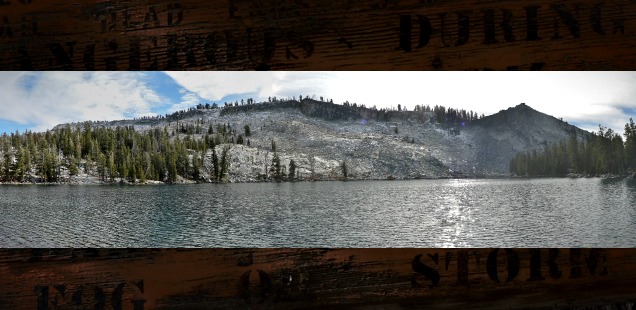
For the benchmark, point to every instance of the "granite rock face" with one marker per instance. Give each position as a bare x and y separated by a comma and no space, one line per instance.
374,144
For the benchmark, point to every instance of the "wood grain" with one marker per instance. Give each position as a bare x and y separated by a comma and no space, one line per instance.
315,278
317,35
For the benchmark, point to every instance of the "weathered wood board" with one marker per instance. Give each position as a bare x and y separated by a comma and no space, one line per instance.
315,278
318,35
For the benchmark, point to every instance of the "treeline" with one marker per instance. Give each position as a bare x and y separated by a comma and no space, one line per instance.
186,112
603,152
445,115
441,114
116,154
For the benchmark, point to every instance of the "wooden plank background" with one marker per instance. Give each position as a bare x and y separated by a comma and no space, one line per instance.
316,278
317,35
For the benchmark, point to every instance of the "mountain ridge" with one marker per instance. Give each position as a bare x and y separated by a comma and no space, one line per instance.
520,129
374,144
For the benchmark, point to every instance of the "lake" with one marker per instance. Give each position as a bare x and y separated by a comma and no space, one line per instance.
416,213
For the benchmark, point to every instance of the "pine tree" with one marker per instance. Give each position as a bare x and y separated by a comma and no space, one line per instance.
72,168
171,161
6,167
132,173
111,167
573,147
225,163
196,166
20,164
292,170
312,164
343,166
630,145
276,168
101,166
215,165
141,173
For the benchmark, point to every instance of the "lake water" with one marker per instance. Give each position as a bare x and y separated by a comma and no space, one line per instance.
416,213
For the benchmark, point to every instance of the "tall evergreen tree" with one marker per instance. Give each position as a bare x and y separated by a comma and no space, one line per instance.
225,163
215,165
248,131
343,166
292,170
630,146
275,168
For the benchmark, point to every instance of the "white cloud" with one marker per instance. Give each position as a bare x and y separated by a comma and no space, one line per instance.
50,98
216,85
583,97
188,100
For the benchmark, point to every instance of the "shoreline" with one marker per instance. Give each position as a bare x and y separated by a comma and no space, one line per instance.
97,182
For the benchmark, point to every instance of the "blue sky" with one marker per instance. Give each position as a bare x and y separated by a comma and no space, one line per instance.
40,100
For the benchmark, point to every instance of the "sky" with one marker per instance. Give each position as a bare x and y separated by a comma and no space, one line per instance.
38,101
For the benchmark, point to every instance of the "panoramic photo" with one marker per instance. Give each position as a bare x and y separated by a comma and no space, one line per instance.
317,159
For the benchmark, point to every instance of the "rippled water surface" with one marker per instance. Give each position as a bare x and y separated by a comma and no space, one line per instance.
418,213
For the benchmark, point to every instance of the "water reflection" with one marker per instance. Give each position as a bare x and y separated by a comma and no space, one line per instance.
423,213
453,214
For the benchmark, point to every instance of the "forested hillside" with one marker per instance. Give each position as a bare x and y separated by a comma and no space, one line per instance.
195,145
603,152
111,153
308,139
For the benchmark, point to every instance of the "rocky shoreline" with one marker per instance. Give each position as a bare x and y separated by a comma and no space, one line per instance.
91,180
581,176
